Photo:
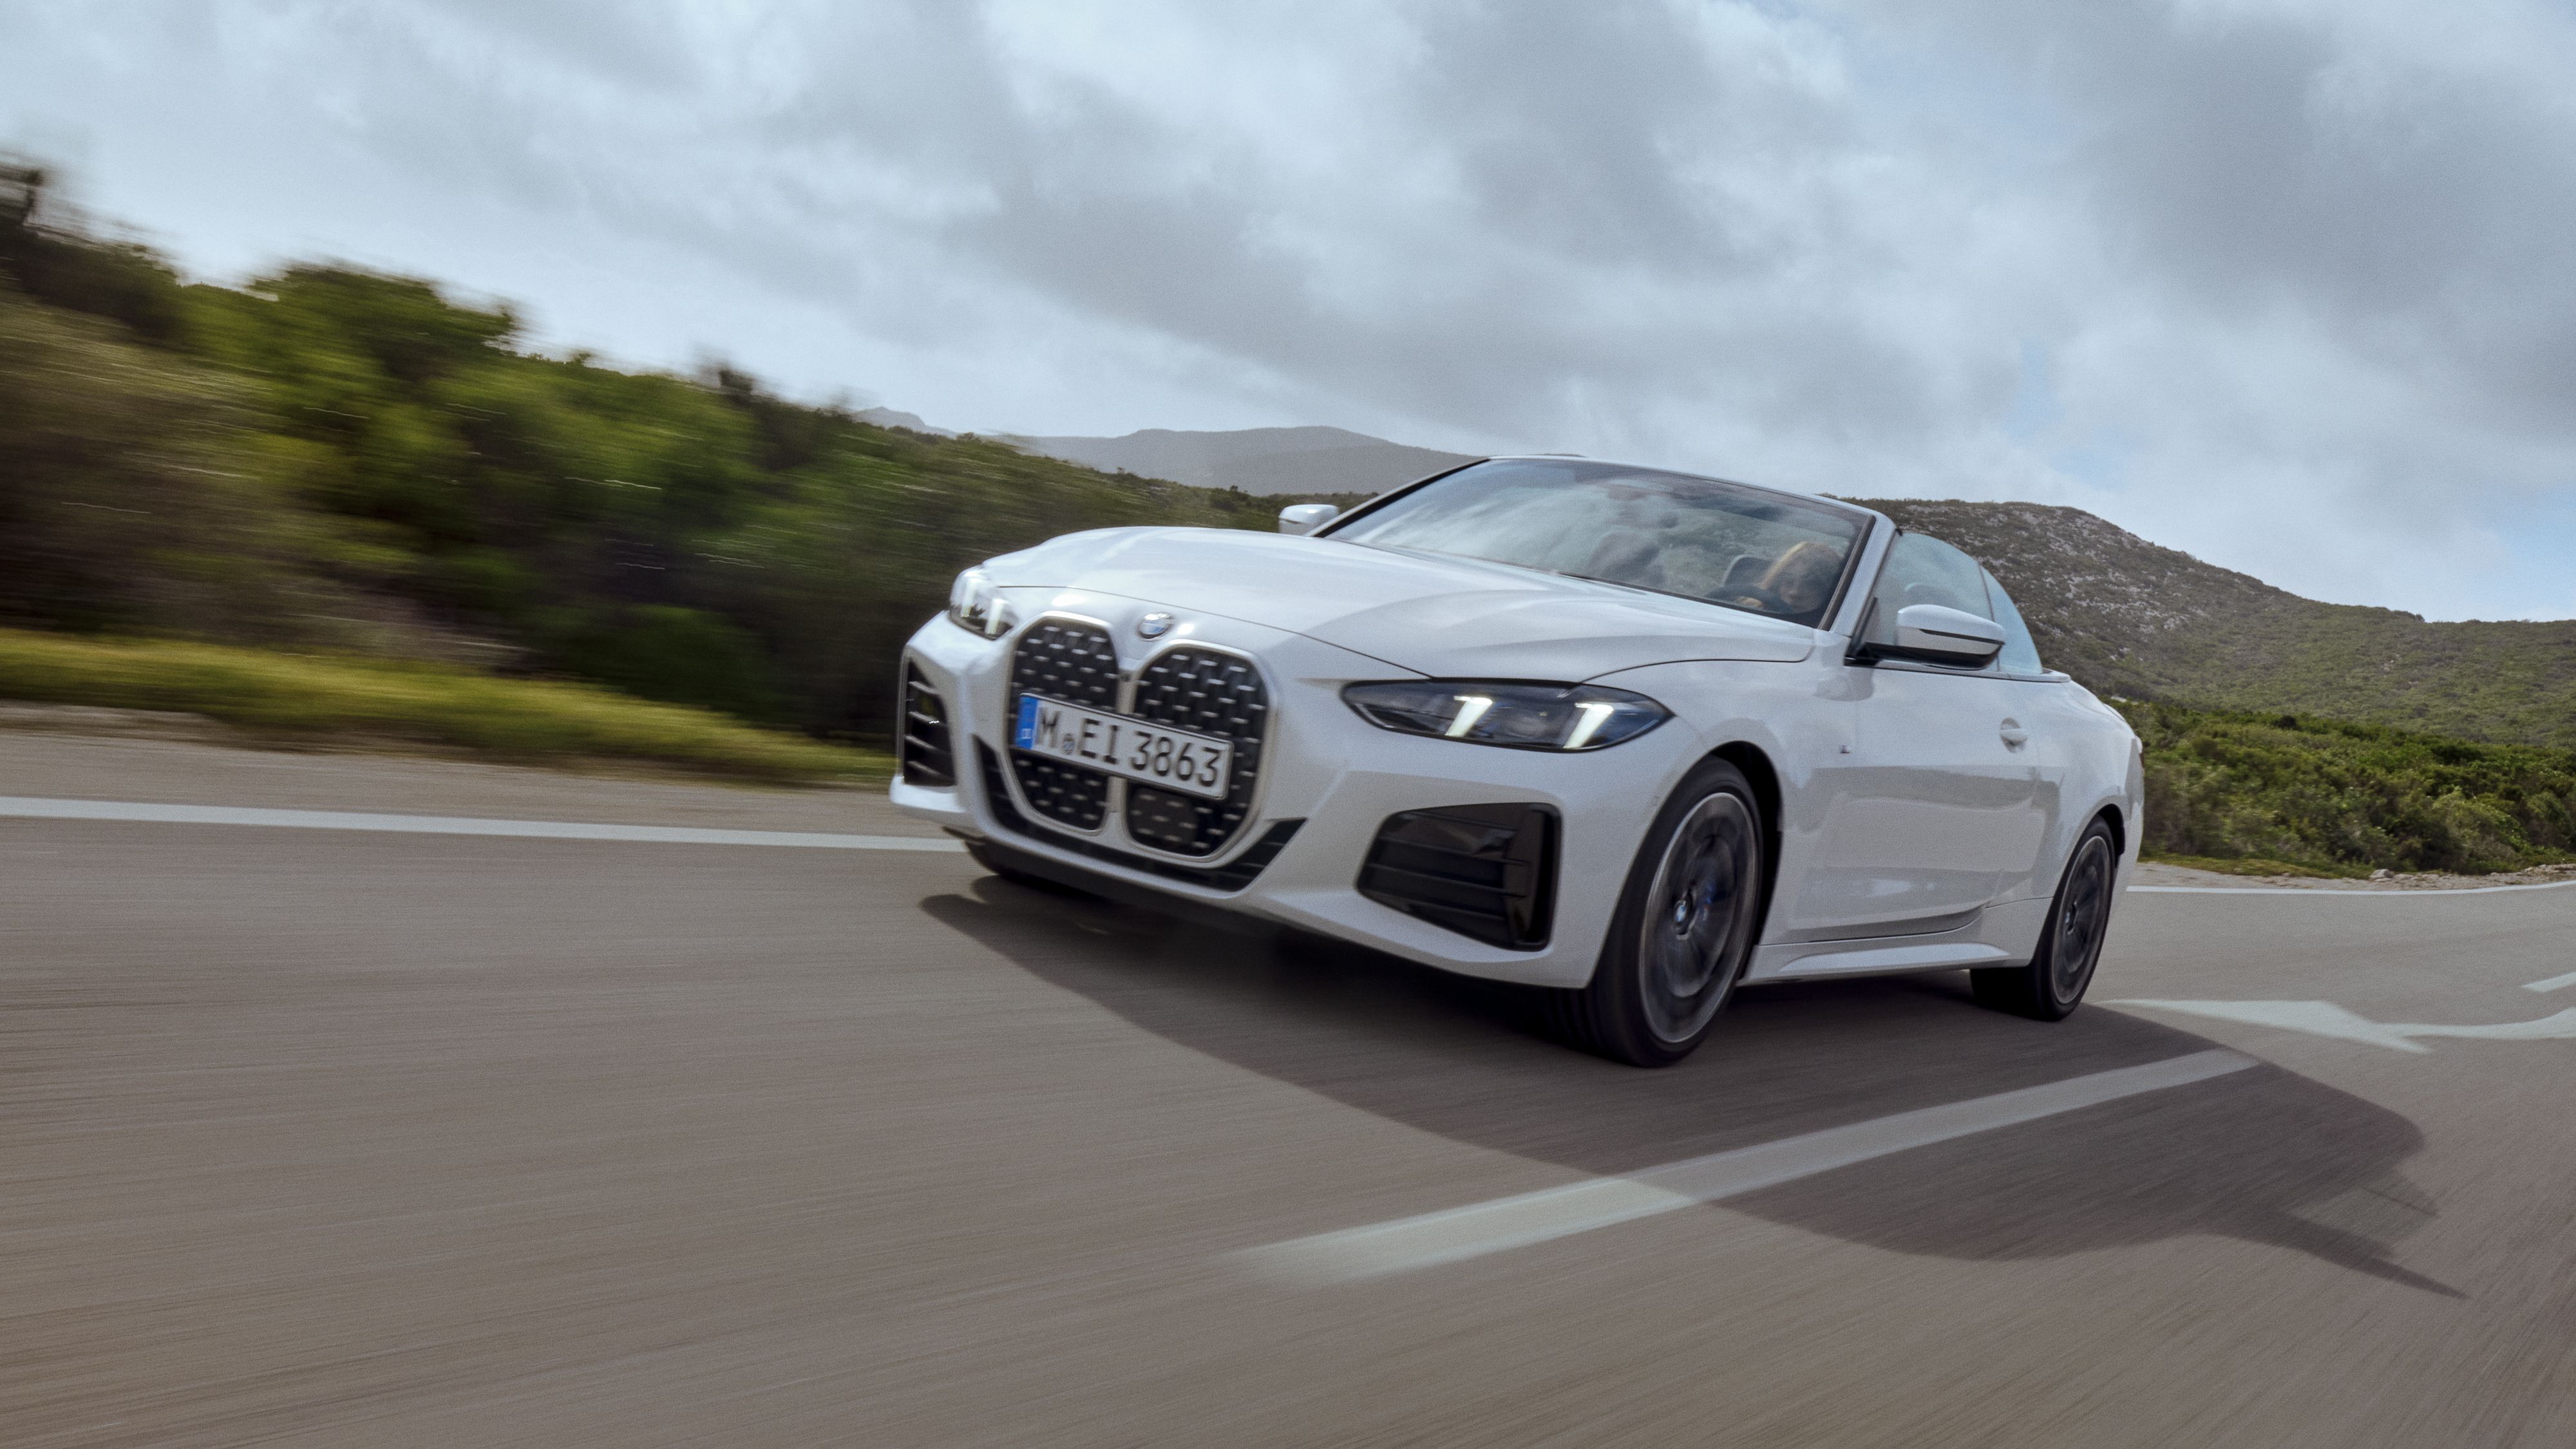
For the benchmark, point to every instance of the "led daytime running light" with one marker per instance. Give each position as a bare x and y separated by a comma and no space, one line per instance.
1471,708
1557,717
1595,712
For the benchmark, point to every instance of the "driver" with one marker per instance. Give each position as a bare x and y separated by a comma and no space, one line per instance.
1797,583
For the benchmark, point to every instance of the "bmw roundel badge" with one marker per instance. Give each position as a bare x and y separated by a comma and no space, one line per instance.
1154,626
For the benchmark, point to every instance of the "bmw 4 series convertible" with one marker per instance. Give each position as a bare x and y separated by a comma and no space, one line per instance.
1631,736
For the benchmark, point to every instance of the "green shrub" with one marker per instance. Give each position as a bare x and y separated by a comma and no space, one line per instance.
679,656
126,498
2335,796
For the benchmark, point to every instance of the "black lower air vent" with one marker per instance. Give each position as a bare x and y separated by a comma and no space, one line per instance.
1234,875
929,754
1485,871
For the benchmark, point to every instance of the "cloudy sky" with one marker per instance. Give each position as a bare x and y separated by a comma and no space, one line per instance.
2287,283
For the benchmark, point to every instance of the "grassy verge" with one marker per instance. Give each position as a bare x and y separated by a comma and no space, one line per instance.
292,697
2268,790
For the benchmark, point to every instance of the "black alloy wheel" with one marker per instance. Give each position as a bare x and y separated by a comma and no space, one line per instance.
1686,924
2070,945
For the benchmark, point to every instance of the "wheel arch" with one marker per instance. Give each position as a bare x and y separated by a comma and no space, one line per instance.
1758,771
2110,815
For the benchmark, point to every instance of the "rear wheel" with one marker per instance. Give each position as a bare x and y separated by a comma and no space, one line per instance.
1685,925
2069,946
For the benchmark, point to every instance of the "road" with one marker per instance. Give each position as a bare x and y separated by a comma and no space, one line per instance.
359,1137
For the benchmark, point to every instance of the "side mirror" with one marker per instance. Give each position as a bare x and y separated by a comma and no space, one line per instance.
1306,517
1943,635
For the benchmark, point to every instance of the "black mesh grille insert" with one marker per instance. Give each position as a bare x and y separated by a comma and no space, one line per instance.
1234,875
1206,693
1065,660
1066,793
929,756
1073,662
1485,871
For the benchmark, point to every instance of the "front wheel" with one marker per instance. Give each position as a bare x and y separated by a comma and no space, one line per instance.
2071,943
1685,925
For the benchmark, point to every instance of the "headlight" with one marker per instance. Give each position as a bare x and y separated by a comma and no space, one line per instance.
1517,716
974,604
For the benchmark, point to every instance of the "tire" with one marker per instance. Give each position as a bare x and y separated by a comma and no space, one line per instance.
1686,924
2070,946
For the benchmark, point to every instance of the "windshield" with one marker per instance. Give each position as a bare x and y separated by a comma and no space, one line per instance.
1722,543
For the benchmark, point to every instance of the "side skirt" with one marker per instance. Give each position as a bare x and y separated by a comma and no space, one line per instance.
2001,935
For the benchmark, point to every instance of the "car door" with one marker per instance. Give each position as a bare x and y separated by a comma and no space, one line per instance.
2043,705
1936,817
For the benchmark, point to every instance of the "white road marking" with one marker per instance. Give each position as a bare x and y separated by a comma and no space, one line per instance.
2347,893
2324,1018
1579,1207
2552,984
28,807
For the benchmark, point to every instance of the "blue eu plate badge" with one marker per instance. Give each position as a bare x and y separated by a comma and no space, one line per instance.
1025,733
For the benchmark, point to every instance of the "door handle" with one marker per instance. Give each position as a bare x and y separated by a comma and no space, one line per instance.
2014,735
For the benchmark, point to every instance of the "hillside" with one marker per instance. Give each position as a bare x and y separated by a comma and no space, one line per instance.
332,460
2133,618
1262,461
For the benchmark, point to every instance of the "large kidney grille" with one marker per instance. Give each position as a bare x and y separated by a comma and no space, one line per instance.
1073,663
1199,690
1207,693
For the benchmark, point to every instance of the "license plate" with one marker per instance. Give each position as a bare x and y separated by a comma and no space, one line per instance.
1123,745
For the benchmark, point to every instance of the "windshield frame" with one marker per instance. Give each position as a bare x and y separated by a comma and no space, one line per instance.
1825,619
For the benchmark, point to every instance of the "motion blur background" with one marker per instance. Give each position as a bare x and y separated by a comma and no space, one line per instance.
496,347
2281,283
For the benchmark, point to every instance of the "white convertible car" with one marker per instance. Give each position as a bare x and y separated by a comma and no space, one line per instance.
1632,735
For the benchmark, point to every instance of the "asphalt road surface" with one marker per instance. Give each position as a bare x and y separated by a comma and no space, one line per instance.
324,1136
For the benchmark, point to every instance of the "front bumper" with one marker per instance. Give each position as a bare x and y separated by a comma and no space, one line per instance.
1329,782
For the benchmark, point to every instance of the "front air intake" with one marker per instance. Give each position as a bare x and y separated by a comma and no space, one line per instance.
929,754
1485,871
1234,875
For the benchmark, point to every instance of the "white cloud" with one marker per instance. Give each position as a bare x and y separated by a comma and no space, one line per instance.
2281,283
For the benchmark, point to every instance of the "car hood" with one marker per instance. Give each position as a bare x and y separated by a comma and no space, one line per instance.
1440,616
